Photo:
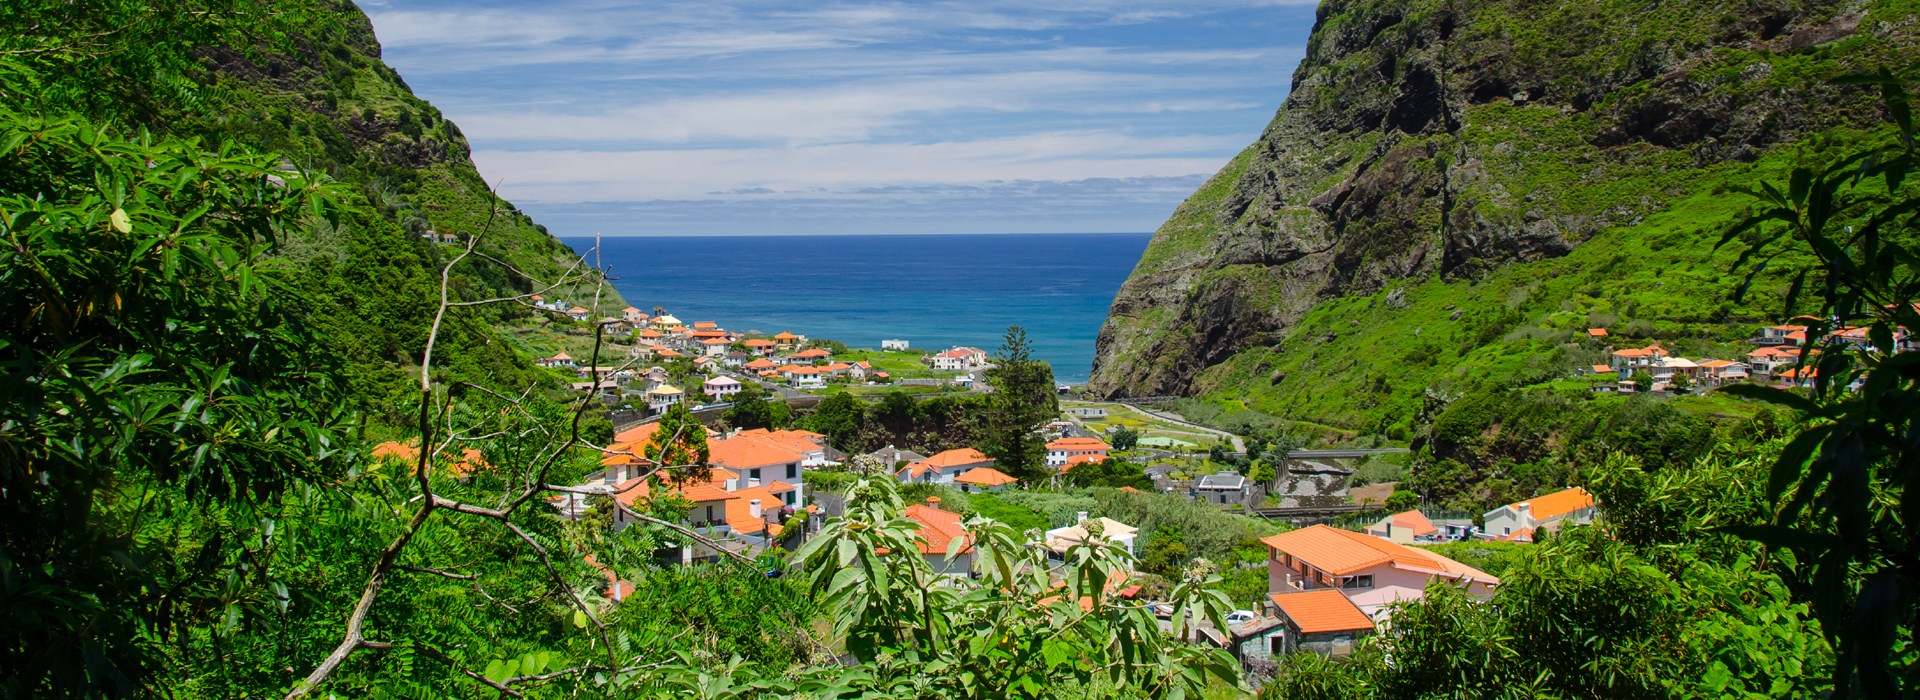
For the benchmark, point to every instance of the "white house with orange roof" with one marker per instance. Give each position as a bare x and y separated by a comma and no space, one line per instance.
1720,372
958,359
559,360
1371,572
1405,528
1628,360
1059,451
761,346
944,467
633,315
663,396
810,355
579,313
1517,522
803,377
938,529
787,339
714,347
777,460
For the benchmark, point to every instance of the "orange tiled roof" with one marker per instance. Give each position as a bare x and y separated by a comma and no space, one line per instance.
642,487
714,341
1524,535
1416,521
1599,369
759,343
947,460
1066,443
742,453
786,336
1342,552
1321,610
740,510
410,455
985,476
762,363
938,528
809,354
1557,503
1597,332
1078,460
705,325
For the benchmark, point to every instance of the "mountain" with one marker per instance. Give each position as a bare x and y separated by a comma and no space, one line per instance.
304,79
1453,192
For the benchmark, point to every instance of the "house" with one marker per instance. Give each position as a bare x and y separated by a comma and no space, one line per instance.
1369,571
938,530
720,388
667,322
760,365
713,347
803,377
663,396
1061,539
735,359
705,326
892,458
787,339
761,346
1596,332
560,360
706,511
980,479
1604,369
810,355
775,459
1719,372
633,315
1088,413
1516,522
1224,489
943,467
1666,368
1802,377
1781,335
1078,460
1059,450
649,336
579,313
957,359
1631,359
893,345
1405,528
1321,621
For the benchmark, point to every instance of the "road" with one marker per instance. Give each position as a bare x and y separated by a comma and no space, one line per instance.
1239,447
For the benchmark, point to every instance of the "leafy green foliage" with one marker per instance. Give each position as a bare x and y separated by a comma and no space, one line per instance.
155,364
1842,495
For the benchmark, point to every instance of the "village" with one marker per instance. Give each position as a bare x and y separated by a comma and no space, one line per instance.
1332,572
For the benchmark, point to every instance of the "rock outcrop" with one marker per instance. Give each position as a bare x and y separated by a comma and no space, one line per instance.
1442,140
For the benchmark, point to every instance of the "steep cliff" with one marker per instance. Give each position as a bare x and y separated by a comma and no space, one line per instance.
304,80
1435,150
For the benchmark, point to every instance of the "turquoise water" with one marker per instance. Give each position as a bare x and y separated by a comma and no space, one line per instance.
934,290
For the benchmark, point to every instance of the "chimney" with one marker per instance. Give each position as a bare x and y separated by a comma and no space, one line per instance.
732,484
933,501
753,508
1083,517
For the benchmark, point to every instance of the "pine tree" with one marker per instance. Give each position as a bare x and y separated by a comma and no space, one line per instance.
1022,402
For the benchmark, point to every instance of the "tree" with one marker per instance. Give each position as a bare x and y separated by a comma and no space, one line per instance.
1679,383
1403,500
752,409
1021,403
1854,553
1125,438
1642,381
839,417
680,441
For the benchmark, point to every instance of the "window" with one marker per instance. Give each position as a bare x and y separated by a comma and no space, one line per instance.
753,474
791,468
1506,531
709,513
1358,582
1276,645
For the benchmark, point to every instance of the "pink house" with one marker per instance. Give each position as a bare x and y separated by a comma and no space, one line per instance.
1369,571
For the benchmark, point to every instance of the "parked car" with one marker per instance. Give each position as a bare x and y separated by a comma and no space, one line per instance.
1239,616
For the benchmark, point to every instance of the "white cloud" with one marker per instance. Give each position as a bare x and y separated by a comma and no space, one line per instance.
844,170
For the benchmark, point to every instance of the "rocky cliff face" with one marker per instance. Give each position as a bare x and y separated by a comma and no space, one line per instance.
1443,140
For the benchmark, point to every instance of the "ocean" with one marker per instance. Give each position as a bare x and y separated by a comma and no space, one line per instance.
936,291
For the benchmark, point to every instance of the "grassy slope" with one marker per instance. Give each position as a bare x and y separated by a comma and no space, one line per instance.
1366,361
330,104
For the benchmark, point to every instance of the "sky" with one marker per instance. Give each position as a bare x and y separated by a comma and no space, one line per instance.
735,117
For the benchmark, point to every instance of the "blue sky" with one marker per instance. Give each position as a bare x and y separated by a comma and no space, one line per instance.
741,117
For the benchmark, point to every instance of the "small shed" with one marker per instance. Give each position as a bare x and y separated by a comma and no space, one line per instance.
1321,621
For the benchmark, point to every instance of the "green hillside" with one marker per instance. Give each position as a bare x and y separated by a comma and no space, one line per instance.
304,80
1452,193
